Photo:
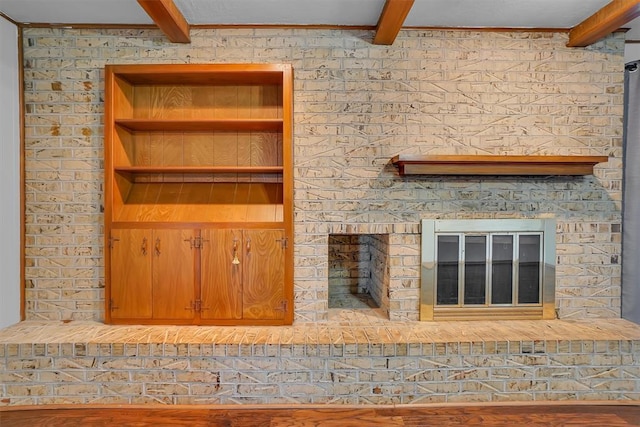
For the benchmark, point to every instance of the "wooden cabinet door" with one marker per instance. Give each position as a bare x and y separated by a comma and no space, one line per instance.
130,284
174,255
222,260
242,274
263,275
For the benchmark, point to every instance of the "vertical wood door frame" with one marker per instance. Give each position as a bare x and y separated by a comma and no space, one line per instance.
287,178
22,175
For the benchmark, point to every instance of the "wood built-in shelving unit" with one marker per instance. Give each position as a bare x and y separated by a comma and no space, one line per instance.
496,165
203,148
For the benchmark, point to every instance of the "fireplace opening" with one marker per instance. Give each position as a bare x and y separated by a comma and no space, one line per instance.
358,271
488,269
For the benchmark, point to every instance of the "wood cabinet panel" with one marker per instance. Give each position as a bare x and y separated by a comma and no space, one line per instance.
155,149
152,274
131,288
173,274
169,102
140,102
225,102
263,275
225,149
265,149
198,149
122,98
243,274
202,99
172,149
222,262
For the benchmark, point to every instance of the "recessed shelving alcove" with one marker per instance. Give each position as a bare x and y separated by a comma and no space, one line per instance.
199,194
408,164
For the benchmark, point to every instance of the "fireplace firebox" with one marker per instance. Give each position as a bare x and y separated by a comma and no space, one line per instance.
488,268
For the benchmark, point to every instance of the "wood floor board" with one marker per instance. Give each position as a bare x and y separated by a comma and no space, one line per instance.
530,415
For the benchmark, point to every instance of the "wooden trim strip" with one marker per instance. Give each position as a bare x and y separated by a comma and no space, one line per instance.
168,18
325,406
602,23
300,27
199,169
8,18
200,125
294,27
23,314
391,19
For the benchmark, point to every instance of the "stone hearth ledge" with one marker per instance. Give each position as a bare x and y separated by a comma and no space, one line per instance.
351,329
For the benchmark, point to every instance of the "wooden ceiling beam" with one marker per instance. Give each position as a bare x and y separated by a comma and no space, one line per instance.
391,20
602,23
168,18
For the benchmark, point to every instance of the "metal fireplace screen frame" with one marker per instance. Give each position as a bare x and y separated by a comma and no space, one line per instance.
469,300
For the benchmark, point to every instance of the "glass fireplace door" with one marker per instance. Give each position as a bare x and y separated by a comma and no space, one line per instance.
487,269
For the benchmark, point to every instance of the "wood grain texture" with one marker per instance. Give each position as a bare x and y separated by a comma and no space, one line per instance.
265,149
266,101
225,102
588,414
202,99
173,274
225,149
122,98
221,281
244,101
169,102
168,18
193,125
155,149
120,192
610,18
124,148
496,165
243,151
263,274
131,274
198,149
140,103
391,20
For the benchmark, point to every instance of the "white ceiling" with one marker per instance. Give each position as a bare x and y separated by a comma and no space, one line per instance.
424,13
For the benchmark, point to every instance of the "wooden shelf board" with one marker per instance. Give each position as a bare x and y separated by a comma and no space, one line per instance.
201,214
132,170
260,225
205,74
149,125
496,165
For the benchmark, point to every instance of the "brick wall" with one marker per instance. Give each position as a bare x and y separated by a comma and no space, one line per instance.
349,267
356,105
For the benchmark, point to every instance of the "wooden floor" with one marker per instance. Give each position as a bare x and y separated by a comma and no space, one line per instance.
583,415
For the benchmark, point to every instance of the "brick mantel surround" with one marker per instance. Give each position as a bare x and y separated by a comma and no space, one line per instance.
356,105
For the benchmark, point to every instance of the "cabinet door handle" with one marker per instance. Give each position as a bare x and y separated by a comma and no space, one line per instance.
235,261
158,247
248,246
191,241
143,247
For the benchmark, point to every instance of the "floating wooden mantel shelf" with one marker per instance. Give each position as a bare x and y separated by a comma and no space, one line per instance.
496,165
